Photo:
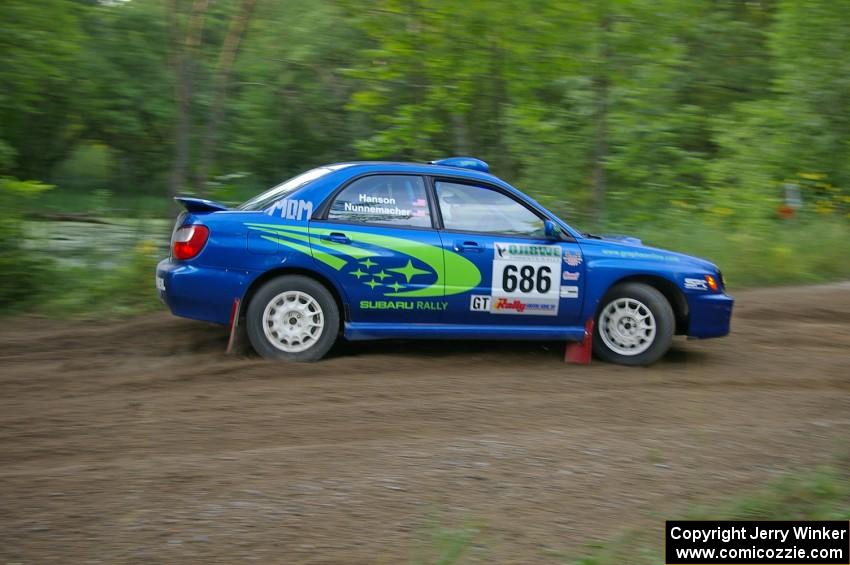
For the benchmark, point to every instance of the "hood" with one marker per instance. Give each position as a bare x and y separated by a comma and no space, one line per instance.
621,238
633,248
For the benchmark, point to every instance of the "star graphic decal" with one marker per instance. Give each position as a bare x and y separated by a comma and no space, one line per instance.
395,286
382,275
372,284
368,263
409,271
358,273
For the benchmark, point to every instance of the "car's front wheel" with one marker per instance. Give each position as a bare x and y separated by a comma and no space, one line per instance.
634,326
293,318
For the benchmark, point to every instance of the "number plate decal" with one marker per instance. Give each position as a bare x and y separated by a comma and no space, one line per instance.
526,279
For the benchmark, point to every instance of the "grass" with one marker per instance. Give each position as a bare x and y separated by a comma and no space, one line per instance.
823,494
108,269
123,289
75,269
769,254
440,545
100,203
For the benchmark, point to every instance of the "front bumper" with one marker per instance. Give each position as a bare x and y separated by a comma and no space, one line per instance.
198,292
710,315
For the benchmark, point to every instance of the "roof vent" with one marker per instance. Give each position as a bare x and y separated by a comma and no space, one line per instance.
463,163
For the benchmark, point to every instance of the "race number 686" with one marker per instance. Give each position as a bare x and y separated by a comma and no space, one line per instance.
527,278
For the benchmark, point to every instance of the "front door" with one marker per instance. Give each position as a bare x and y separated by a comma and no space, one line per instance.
377,240
526,278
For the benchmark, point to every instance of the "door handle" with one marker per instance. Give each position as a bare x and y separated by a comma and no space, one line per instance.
468,247
338,237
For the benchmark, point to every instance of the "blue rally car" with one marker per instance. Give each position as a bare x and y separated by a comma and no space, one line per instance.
376,250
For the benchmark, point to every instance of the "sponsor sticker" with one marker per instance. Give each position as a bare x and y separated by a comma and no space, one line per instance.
160,283
291,209
572,259
696,284
527,252
518,306
570,276
639,255
569,292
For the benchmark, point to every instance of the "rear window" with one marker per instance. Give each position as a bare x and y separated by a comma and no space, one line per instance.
262,201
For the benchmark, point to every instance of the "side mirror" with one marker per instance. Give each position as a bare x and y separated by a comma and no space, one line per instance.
552,230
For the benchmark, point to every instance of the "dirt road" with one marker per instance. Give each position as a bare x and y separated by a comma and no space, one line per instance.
140,441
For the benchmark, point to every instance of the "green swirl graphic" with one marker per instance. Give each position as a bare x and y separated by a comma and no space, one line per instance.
455,274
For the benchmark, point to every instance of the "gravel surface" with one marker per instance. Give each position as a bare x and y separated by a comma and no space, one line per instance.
139,441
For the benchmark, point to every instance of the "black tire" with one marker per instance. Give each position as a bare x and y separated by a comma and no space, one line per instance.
321,343
665,324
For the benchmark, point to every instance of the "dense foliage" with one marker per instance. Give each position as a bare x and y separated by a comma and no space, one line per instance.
692,124
628,109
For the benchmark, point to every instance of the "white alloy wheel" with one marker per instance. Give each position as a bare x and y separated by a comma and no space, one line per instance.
293,321
627,326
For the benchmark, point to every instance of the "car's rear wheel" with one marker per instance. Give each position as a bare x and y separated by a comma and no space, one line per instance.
294,318
634,326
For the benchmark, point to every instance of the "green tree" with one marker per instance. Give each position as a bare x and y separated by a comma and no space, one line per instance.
39,96
126,90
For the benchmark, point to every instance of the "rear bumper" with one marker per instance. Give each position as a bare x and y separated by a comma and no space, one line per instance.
710,315
198,292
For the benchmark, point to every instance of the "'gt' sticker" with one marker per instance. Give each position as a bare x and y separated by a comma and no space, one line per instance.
479,303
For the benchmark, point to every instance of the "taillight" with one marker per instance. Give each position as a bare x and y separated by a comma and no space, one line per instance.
189,240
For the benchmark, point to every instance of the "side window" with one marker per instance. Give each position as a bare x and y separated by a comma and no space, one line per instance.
394,200
474,208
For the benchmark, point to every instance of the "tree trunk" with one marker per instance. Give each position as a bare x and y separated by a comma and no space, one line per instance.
600,118
222,77
184,51
460,135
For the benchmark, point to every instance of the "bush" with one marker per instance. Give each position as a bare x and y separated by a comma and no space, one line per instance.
766,253
23,275
94,290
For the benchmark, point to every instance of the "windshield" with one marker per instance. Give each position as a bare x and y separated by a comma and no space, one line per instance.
260,201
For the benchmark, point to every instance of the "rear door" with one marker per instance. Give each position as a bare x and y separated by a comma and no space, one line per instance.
526,279
377,240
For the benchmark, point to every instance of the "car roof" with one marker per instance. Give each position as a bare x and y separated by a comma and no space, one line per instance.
358,167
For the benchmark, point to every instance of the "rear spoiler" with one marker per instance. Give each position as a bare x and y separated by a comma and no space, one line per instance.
199,204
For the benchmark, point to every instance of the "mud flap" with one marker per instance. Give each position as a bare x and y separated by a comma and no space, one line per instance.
234,326
580,352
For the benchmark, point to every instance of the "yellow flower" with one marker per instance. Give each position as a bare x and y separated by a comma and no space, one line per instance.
145,247
824,207
780,251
